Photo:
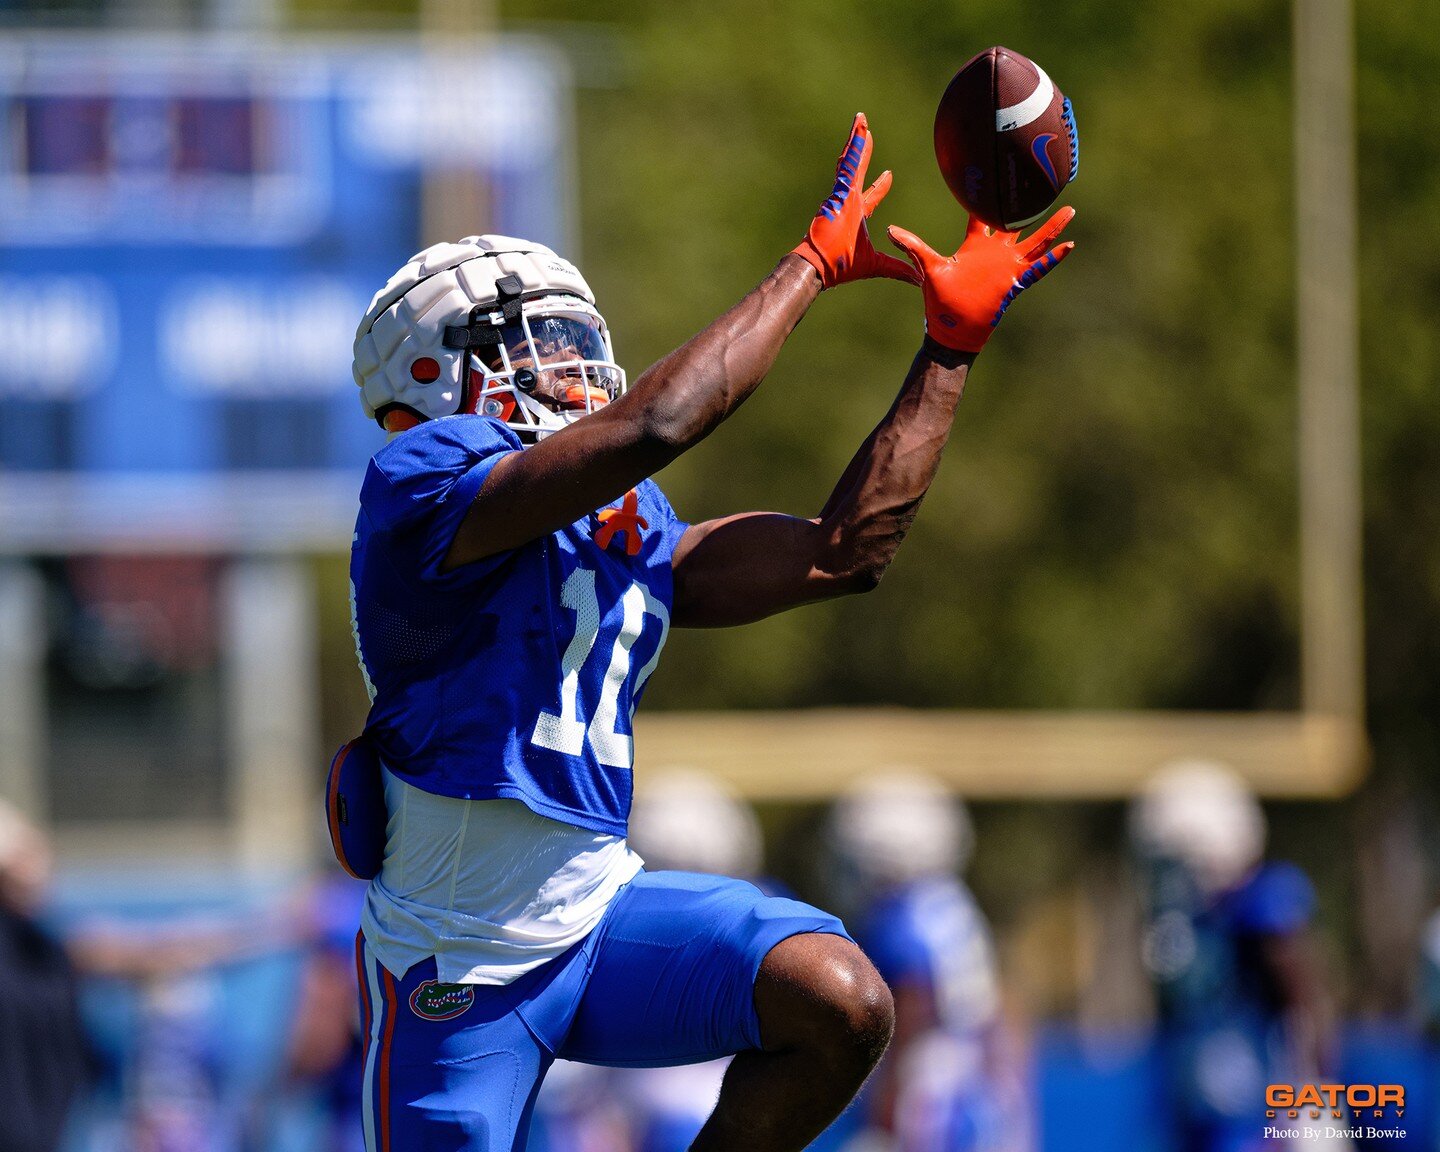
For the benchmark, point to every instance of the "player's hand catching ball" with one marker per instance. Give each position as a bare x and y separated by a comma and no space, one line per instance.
838,243
967,293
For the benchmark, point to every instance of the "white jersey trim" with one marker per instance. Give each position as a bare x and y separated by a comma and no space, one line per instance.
489,888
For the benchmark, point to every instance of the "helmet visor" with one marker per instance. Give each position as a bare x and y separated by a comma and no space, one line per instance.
553,359
568,337
533,341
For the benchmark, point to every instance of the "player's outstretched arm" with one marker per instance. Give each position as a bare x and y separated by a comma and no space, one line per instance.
674,405
678,401
743,568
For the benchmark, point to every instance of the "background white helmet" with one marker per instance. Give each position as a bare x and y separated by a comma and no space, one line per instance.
897,826
689,821
466,327
1204,816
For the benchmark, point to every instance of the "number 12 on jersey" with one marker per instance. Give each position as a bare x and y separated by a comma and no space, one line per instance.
568,731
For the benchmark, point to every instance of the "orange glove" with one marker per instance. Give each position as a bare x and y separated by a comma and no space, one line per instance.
966,294
838,243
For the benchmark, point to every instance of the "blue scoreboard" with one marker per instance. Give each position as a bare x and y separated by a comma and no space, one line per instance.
190,229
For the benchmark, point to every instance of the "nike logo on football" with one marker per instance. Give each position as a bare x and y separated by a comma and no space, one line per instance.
1039,149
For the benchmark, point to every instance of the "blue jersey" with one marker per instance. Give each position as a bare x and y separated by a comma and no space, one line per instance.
1204,952
516,676
1222,1027
931,933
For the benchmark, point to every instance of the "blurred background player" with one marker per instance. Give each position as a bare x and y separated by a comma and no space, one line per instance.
170,1071
43,1053
319,1077
1227,944
953,1079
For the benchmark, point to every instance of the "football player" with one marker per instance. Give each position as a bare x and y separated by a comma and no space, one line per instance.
514,574
953,1080
1228,944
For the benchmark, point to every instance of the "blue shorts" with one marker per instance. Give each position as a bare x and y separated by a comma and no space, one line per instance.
667,977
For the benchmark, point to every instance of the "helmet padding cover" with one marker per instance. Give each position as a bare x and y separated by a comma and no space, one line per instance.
437,288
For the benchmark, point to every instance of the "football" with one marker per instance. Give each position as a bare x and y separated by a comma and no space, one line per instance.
1005,138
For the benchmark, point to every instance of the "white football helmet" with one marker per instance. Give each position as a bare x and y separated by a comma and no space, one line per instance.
688,821
1204,816
898,825
490,324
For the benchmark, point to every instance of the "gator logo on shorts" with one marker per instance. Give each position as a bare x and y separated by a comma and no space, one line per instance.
432,1001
